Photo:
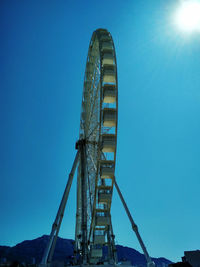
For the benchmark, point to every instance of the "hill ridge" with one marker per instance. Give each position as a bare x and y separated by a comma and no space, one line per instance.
32,250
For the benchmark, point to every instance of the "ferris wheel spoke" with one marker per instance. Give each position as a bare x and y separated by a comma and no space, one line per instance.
93,100
92,123
92,160
88,180
94,95
93,130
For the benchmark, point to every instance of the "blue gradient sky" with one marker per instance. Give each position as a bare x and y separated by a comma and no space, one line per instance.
43,52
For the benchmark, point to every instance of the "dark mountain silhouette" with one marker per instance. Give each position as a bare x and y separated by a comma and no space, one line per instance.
30,250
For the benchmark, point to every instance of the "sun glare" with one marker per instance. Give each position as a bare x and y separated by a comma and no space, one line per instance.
187,17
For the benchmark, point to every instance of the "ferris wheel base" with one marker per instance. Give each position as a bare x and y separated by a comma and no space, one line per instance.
103,265
61,264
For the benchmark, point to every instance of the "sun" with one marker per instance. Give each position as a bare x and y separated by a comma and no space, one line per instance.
187,16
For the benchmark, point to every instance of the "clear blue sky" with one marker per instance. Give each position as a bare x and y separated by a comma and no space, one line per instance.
43,52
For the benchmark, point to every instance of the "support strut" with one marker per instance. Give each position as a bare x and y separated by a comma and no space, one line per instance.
81,147
48,253
150,263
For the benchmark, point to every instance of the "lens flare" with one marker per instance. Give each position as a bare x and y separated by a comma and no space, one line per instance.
187,16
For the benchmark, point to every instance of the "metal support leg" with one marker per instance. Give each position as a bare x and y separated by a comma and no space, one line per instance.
113,245
83,191
48,253
150,263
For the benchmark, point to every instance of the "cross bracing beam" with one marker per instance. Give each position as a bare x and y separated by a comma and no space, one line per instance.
48,253
150,263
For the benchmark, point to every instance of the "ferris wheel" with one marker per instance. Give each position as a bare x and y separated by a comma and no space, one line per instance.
98,139
96,160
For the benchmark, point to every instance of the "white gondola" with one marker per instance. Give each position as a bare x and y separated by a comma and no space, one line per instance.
109,74
107,173
99,239
109,93
107,169
102,220
96,252
108,143
107,46
109,117
105,38
105,188
104,198
108,59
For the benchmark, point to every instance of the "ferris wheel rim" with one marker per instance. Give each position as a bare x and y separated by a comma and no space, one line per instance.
89,132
